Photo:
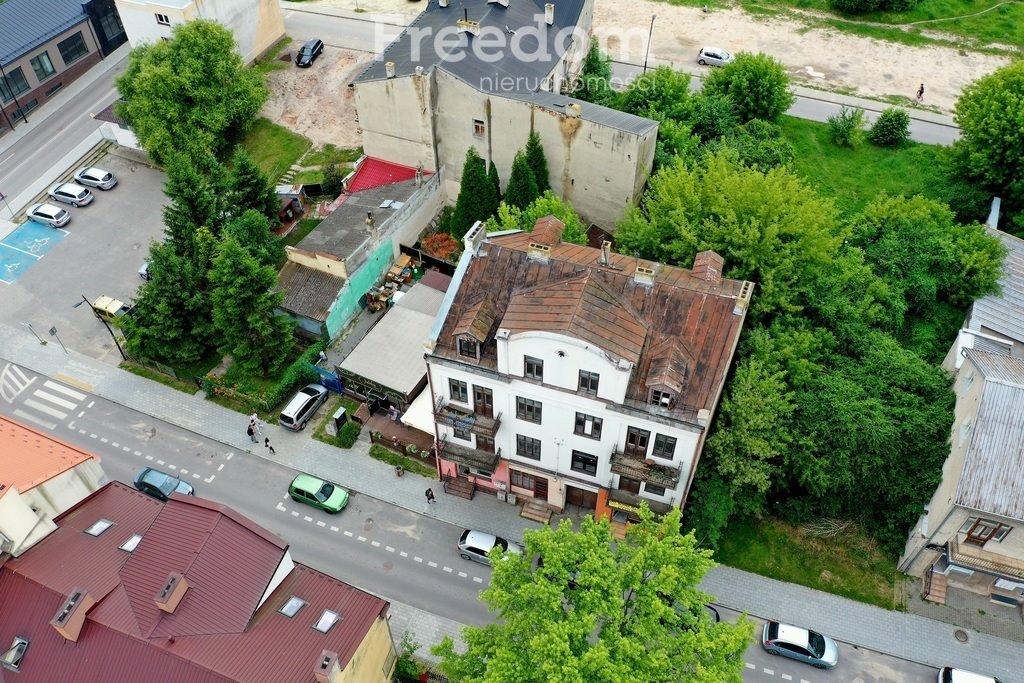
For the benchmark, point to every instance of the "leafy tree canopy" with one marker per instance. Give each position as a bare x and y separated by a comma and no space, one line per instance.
594,84
633,613
511,218
252,231
191,94
663,93
757,84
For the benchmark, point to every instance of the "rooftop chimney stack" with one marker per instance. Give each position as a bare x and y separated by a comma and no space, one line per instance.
327,669
549,14
538,252
419,70
644,276
171,594
389,69
606,248
442,3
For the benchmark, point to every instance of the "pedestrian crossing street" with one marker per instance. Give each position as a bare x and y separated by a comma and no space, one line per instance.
45,403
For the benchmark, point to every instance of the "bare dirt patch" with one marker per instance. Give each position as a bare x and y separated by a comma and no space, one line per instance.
317,102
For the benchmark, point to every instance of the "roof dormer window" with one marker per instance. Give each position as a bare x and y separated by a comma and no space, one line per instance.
469,348
663,399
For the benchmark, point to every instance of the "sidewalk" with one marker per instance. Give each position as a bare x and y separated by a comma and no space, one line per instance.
899,634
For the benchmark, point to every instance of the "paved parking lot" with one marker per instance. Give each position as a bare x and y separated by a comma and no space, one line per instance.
45,272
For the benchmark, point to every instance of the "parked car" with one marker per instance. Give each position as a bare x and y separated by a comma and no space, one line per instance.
800,644
48,214
474,545
72,194
161,485
309,52
713,56
144,271
95,177
302,406
305,488
948,674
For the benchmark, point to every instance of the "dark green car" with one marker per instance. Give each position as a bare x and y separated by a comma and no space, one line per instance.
305,488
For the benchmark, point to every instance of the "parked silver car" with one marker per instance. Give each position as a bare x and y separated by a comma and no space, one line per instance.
95,177
800,644
474,545
48,214
713,56
72,194
302,406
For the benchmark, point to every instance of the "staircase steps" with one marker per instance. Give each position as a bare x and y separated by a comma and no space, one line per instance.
937,592
460,488
536,510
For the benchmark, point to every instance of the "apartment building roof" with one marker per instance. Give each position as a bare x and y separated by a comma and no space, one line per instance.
227,627
678,327
28,458
27,24
1003,313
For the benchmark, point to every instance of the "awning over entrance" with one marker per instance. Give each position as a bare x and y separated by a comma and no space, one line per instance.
421,413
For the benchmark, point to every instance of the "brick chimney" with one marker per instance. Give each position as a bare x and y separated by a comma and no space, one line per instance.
327,669
644,276
707,265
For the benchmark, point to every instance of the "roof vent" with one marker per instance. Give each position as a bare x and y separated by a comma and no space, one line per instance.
503,3
327,669
644,276
442,3
538,252
171,594
743,300
11,660
468,26
389,69
419,70
71,616
703,417
549,14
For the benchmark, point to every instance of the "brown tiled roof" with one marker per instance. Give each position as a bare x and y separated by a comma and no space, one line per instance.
619,314
548,230
308,292
477,321
219,632
28,458
580,306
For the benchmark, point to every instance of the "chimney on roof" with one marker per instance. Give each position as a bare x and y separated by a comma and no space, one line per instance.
371,224
419,70
503,3
707,265
703,417
474,237
442,3
538,252
644,276
173,591
389,69
327,669
549,14
70,618
606,248
573,109
467,25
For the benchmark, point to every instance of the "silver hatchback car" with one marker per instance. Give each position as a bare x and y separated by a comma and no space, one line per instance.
48,214
95,177
800,644
474,545
713,56
72,194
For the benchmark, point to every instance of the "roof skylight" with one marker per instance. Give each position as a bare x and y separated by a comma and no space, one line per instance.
292,607
131,543
99,527
327,620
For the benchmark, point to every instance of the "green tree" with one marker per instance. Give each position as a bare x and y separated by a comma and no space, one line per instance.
189,95
250,188
991,120
711,116
594,84
757,84
252,231
675,139
244,302
550,204
663,91
537,162
522,187
476,201
492,175
193,204
634,612
333,180
892,128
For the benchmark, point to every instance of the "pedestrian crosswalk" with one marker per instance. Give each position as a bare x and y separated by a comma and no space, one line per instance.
44,404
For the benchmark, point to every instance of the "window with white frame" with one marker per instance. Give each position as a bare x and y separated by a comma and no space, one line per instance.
163,20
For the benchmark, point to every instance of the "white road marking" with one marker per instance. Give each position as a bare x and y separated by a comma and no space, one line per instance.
321,524
375,544
770,672
45,409
149,458
348,533
220,467
77,395
389,549
334,529
104,439
404,554
171,467
448,569
13,381
295,513
478,579
281,508
307,518
183,471
361,539
32,418
115,444
229,456
81,413
137,453
417,559
432,564
90,404
464,575
787,677
159,462
750,666
126,448
56,400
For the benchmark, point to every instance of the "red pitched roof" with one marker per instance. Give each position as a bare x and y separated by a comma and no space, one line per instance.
376,172
219,631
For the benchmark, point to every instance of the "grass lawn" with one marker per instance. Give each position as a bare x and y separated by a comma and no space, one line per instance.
274,147
848,564
308,178
853,177
306,226
329,153
269,62
378,452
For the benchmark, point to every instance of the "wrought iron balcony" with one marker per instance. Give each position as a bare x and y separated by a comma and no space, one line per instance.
645,470
470,457
625,500
464,420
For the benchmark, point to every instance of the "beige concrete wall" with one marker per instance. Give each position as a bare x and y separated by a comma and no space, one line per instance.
367,664
395,118
600,170
325,263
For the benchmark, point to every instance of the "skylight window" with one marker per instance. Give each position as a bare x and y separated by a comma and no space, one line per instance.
327,620
292,607
99,527
131,543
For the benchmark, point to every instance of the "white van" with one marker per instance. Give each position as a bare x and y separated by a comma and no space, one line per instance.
302,406
948,674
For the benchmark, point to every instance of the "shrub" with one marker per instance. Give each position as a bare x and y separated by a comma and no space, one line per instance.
891,129
712,116
847,127
406,668
348,434
333,179
440,246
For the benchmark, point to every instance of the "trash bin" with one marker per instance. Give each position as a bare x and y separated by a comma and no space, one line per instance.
340,418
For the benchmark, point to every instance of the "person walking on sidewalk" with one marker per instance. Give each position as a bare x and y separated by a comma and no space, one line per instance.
266,442
430,496
251,431
254,422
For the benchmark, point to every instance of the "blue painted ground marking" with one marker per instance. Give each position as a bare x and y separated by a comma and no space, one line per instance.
23,247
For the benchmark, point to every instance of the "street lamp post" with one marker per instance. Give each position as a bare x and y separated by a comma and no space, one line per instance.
649,34
11,90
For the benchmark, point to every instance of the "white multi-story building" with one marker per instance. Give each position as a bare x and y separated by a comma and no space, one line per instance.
577,376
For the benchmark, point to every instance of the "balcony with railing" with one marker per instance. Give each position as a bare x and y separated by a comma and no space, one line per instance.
626,500
470,457
464,420
975,557
645,470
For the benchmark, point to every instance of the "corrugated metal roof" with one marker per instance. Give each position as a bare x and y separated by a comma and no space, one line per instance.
228,562
28,458
418,46
1004,312
27,24
595,113
376,172
308,292
993,474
